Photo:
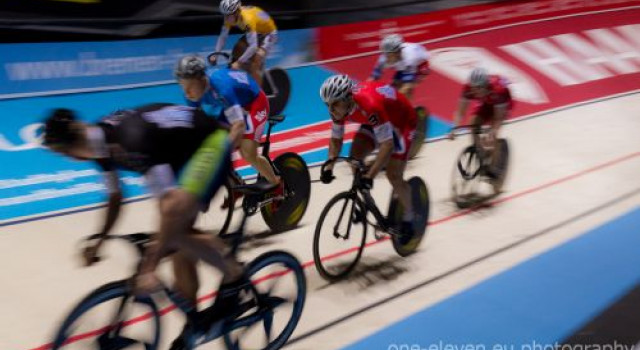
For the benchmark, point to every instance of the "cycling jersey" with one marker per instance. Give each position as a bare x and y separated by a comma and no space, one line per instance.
414,61
237,94
388,113
231,89
161,141
498,95
253,21
498,92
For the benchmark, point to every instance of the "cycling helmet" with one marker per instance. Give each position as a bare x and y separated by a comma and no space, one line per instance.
58,129
229,7
191,66
391,43
479,77
336,87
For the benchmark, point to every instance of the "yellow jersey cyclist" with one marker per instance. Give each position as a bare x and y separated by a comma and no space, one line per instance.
261,34
185,157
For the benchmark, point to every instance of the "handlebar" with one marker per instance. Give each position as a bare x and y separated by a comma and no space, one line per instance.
354,162
226,55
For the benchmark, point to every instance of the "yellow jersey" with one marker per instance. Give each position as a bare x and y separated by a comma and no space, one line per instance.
254,19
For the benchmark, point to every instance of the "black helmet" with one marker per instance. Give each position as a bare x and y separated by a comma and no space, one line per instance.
191,66
58,128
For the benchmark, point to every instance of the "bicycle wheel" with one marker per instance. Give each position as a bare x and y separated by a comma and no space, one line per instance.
421,208
286,214
218,215
342,232
502,166
465,180
277,101
269,324
111,318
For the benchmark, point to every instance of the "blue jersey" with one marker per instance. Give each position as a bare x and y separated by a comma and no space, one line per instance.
228,88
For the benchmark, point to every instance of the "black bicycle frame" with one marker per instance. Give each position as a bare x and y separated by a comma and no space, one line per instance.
365,199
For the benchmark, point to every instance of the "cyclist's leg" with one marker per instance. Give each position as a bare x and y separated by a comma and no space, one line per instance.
255,122
496,150
200,179
482,113
249,151
265,43
256,68
239,48
395,170
363,143
186,276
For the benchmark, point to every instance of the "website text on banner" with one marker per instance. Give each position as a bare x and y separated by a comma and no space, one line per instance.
88,66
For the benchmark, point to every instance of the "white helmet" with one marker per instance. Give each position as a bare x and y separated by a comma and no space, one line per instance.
228,7
479,77
391,43
336,87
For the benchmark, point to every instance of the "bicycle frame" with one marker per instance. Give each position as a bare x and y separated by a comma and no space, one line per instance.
363,196
140,242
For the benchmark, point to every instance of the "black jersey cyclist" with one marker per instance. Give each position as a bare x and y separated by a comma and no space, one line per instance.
184,156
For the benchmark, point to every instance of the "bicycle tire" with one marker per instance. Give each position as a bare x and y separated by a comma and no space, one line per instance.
464,178
291,264
318,259
281,79
216,213
503,166
289,212
107,292
420,199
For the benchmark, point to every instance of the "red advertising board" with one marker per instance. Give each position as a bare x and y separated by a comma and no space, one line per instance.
550,63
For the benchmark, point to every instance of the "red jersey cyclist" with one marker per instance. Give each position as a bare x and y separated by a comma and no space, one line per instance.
387,120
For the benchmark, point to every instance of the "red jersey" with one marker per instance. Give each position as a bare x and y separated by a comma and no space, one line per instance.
381,107
498,92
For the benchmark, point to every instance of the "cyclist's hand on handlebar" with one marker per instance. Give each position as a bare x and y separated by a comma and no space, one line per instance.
327,176
366,183
213,60
236,65
90,253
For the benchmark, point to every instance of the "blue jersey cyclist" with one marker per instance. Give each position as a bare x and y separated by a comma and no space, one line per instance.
245,106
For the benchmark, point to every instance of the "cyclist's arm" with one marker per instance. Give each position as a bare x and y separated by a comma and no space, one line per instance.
377,69
112,184
235,116
222,39
335,144
463,104
384,137
269,40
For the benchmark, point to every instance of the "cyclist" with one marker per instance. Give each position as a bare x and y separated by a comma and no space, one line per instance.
184,156
260,35
494,105
387,120
245,107
410,61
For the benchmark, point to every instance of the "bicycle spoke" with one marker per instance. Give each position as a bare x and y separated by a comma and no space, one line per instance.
268,324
